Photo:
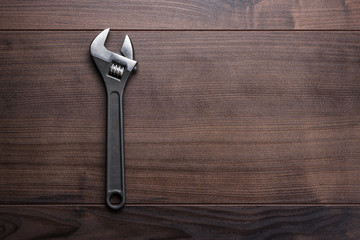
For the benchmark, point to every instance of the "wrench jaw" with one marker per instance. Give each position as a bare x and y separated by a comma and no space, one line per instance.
127,48
106,60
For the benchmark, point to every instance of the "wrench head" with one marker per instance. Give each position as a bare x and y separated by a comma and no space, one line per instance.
104,58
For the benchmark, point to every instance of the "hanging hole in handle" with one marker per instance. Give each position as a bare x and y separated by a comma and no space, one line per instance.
115,200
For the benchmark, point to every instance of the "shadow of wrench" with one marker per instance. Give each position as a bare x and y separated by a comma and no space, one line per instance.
115,70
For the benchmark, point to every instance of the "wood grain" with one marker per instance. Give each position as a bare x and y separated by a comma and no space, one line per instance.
185,222
181,14
210,117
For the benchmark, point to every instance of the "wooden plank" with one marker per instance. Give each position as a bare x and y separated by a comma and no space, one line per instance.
181,14
180,222
210,117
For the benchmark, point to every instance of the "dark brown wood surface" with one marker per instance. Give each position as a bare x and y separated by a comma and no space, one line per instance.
180,222
236,126
219,117
181,14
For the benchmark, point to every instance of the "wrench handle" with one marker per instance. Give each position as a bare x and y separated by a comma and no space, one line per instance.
115,174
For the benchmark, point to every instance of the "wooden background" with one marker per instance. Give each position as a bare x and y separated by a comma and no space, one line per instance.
242,122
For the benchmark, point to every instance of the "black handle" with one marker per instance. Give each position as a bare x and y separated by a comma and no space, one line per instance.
115,179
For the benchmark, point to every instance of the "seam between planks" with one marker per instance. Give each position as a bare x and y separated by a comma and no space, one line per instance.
180,30
188,205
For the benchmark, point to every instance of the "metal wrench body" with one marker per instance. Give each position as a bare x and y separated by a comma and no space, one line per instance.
115,70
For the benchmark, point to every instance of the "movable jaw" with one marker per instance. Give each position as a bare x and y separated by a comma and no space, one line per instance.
109,63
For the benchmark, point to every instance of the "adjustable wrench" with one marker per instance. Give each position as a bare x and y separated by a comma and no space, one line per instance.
115,70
